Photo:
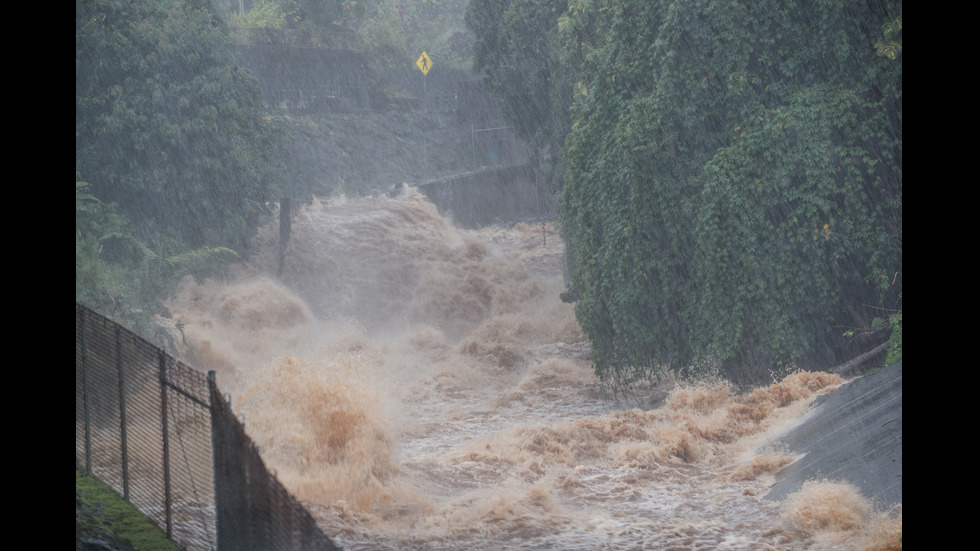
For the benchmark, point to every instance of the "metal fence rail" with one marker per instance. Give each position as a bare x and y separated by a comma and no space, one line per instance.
157,432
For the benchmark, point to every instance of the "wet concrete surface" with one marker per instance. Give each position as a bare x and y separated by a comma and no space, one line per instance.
853,434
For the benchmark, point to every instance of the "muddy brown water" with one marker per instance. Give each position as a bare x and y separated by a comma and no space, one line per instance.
420,386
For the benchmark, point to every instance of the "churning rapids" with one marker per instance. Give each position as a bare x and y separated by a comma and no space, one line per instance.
420,386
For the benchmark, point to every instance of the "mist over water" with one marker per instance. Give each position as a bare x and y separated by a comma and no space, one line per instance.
420,386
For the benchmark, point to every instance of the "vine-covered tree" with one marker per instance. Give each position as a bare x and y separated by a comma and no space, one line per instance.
168,126
513,48
734,182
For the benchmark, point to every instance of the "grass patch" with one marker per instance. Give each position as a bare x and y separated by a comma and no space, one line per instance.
102,514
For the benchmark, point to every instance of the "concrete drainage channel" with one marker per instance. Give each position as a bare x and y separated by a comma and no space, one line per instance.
853,434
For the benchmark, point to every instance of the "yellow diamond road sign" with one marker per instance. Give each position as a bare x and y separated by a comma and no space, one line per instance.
424,63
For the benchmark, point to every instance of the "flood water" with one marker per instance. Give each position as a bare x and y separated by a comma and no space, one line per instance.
420,386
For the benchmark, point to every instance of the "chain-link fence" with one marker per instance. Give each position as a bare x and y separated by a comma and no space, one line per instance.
162,436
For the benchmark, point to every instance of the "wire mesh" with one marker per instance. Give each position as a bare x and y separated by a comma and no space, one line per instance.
162,436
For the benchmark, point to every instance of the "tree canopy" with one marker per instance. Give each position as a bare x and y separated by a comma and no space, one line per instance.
734,171
168,126
513,47
175,161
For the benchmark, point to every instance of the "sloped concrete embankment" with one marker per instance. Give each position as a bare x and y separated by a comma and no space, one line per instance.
853,434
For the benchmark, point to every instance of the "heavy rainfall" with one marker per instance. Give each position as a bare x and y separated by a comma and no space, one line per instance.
515,274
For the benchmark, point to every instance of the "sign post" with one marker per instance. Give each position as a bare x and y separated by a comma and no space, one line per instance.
424,63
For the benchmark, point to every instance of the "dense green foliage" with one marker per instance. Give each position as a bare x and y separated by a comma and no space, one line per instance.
733,183
168,126
175,162
513,48
395,32
117,273
894,340
305,15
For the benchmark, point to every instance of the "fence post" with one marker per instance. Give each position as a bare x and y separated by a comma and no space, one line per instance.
166,442
122,416
234,519
88,422
215,471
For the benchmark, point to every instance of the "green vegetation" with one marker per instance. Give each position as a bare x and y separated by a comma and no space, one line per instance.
118,273
175,161
395,32
263,15
733,170
104,515
894,340
513,40
168,126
